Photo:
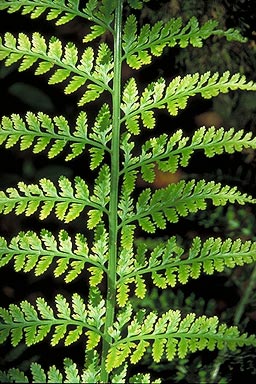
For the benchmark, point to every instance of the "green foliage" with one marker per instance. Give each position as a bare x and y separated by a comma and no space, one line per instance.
34,325
29,251
169,264
119,268
174,96
152,210
140,46
35,8
29,52
171,335
172,152
63,11
42,132
67,203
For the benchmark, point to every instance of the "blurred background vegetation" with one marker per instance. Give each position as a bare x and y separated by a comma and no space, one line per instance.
220,294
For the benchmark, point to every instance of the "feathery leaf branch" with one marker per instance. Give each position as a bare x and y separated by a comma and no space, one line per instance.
29,52
42,132
171,336
169,264
140,46
34,324
167,204
30,251
171,152
175,96
67,203
63,11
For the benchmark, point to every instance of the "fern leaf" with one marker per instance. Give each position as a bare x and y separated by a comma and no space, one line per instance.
95,217
140,290
137,4
96,313
171,153
170,335
169,264
119,375
175,96
101,134
139,352
130,97
73,335
124,315
100,247
104,59
29,251
158,349
93,340
13,375
96,276
96,31
141,46
126,205
117,355
69,68
124,267
92,371
34,325
101,191
93,92
61,11
123,293
39,375
67,203
52,375
127,236
71,371
102,14
179,200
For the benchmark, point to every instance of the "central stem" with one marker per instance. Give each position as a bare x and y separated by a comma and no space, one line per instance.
113,205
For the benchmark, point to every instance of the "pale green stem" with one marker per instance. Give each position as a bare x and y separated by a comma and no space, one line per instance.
113,216
238,314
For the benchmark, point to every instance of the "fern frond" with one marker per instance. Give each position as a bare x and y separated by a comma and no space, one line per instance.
170,153
125,206
101,130
169,336
60,10
69,374
119,375
168,204
14,375
91,374
140,46
33,324
101,13
53,135
29,252
67,202
175,96
137,4
169,264
101,133
63,11
69,67
127,146
101,191
96,309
